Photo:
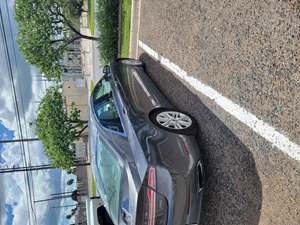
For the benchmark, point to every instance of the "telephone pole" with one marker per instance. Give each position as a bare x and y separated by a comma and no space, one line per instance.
74,194
51,199
19,140
63,206
62,193
36,168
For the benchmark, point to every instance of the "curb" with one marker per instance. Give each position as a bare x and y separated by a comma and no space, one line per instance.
119,28
134,28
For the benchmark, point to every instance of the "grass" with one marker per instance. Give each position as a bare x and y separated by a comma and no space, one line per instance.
92,86
93,185
107,20
94,191
125,28
91,16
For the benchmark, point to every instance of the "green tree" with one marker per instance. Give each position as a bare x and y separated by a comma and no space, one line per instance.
45,33
72,8
58,129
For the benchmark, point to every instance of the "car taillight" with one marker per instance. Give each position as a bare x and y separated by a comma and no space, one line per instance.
152,206
151,195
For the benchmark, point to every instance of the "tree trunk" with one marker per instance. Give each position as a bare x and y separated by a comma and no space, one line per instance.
85,36
78,124
78,121
81,131
69,24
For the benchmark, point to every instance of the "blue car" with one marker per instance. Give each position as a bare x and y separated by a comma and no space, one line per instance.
145,158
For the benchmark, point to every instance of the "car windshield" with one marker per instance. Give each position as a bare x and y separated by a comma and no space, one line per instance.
108,178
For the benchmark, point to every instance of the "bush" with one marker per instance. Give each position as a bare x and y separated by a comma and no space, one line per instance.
107,17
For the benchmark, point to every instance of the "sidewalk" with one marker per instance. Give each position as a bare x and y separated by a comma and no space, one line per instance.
91,67
90,54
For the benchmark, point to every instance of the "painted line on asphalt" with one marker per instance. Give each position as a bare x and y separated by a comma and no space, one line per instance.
262,128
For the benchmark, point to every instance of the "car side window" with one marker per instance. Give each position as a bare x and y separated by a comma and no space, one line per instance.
103,88
108,115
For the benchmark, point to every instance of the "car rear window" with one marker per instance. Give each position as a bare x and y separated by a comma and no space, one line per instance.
108,178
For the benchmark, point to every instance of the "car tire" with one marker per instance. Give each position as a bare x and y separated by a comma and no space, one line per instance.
131,62
174,121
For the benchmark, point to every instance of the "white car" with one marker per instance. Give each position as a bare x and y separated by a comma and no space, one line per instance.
96,213
92,206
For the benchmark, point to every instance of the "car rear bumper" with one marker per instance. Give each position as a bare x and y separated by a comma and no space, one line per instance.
183,193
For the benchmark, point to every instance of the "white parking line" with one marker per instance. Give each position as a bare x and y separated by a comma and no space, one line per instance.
262,128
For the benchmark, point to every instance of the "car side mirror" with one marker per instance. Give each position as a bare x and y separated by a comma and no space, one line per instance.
106,69
106,72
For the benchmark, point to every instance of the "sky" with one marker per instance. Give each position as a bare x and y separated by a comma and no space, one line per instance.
29,88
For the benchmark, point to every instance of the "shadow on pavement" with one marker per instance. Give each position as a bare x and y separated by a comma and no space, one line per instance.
234,192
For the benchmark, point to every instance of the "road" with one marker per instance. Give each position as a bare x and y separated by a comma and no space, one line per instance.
248,52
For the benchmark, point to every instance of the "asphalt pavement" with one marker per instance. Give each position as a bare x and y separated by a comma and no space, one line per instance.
234,191
249,51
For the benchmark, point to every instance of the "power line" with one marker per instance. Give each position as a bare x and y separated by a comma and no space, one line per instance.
28,189
15,100
29,180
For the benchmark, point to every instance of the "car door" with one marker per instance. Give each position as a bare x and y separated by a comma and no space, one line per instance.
112,131
107,117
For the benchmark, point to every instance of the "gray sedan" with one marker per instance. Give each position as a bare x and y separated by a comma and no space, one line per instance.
145,158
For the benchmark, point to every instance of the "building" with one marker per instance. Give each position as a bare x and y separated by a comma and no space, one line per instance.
75,92
74,89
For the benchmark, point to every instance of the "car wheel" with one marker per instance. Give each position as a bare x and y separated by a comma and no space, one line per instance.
174,121
130,62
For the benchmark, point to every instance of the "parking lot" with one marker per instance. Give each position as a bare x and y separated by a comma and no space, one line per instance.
248,53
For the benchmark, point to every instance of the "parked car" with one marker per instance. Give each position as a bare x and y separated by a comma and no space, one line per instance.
145,158
92,206
96,213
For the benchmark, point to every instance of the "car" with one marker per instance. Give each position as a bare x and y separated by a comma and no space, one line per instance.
145,158
96,214
93,206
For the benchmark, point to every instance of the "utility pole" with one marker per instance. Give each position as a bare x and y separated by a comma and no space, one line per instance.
63,206
58,197
62,193
19,140
36,168
50,199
